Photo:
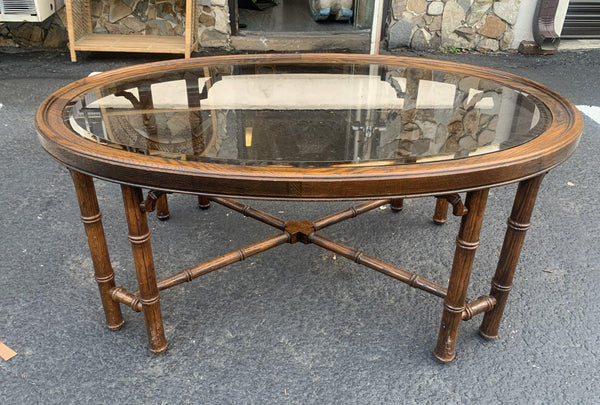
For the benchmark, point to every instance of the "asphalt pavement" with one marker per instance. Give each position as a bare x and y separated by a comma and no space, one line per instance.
296,324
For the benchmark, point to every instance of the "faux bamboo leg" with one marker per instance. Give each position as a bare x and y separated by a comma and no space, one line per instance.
518,224
203,202
162,208
92,221
139,236
440,216
397,204
454,303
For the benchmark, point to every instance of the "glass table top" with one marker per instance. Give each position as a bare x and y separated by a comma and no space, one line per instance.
308,114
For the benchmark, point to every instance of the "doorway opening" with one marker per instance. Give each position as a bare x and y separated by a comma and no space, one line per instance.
301,25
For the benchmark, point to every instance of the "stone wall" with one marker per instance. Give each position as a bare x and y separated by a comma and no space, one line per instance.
483,25
126,17
50,33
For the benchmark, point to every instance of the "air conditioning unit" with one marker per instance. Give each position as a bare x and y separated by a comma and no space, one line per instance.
26,10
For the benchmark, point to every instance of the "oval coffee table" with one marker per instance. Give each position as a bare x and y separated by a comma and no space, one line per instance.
309,127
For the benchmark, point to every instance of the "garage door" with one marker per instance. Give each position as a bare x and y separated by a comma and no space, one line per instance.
583,20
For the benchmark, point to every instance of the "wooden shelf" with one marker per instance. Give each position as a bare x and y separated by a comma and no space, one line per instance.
130,43
81,37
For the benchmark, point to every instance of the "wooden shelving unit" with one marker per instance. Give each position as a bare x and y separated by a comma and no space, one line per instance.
81,37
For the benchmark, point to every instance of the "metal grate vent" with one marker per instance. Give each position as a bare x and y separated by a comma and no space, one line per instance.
26,7
582,21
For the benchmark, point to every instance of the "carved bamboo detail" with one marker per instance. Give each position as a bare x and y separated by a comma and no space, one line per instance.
454,303
480,305
119,294
359,257
92,222
139,236
222,261
518,224
248,211
348,213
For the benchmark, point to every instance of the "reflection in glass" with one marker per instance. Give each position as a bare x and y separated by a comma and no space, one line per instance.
308,115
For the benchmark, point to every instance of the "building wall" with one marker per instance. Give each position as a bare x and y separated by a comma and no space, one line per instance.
126,17
484,25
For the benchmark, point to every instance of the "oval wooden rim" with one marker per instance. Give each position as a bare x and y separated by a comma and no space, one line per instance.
546,151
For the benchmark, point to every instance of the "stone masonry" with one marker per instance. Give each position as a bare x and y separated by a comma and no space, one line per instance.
483,25
151,17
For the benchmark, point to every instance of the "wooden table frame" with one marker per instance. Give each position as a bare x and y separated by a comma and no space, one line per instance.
526,164
457,307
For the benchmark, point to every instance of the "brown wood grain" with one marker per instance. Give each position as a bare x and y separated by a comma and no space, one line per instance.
549,149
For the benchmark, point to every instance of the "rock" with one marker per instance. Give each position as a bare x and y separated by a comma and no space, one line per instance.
56,37
467,33
508,10
133,24
117,29
477,11
467,143
117,11
455,40
436,41
436,24
220,3
507,41
486,137
28,34
96,8
398,8
8,42
468,83
166,11
451,145
62,14
179,7
452,18
493,27
488,44
429,129
465,4
99,28
159,27
417,6
435,8
213,38
400,33
207,20
145,11
178,124
471,122
410,132
222,21
455,128
409,115
493,123
420,40
420,146
441,134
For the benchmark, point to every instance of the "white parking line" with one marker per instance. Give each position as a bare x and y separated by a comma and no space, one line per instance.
591,111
